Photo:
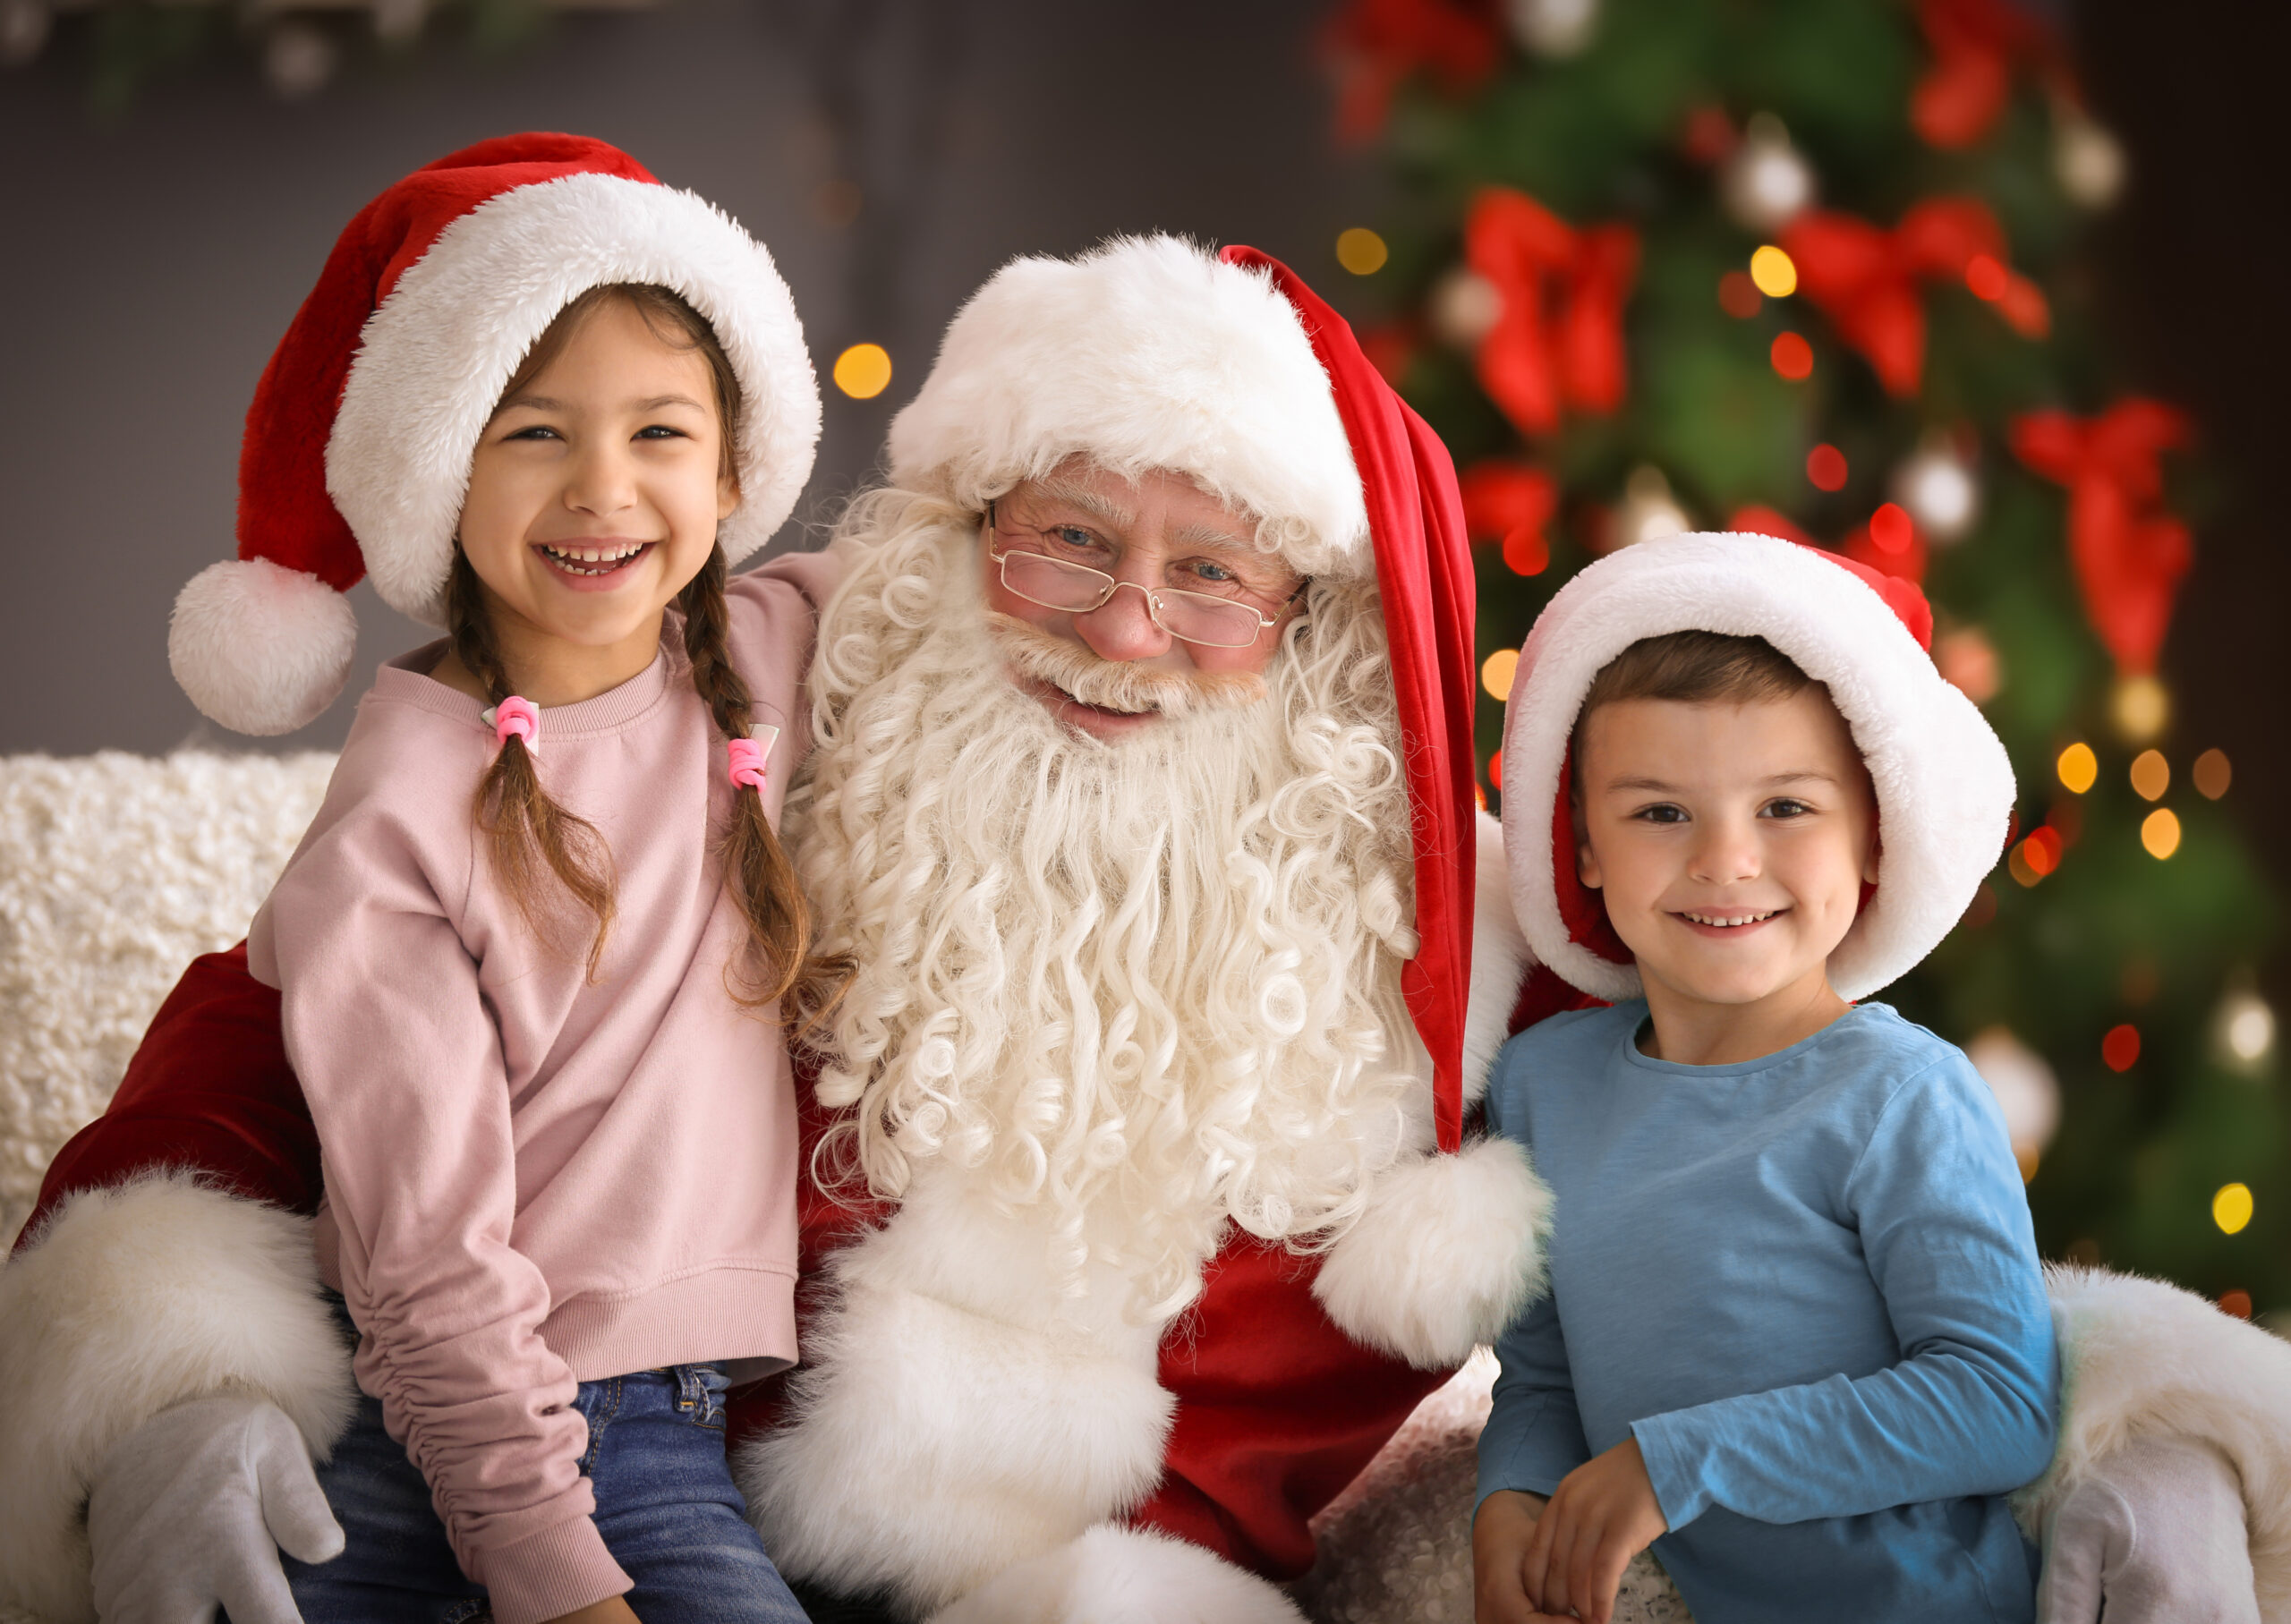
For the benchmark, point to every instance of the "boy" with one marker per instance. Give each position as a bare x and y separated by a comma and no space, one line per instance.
1797,1332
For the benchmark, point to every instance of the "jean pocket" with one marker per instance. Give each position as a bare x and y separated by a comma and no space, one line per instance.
699,1394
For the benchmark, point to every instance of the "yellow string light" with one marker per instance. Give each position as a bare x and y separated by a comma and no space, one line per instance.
2213,774
2152,775
1495,674
2140,706
2079,767
2161,833
1773,271
864,370
1361,251
2231,1208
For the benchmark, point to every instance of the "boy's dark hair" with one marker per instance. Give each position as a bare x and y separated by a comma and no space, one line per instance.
1689,668
1696,669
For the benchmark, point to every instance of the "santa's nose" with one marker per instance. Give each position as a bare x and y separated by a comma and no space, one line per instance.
1122,627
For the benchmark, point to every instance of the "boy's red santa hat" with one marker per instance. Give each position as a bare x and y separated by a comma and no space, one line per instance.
357,452
1944,789
1150,352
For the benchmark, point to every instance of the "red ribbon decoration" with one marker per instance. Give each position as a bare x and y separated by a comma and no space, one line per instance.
1510,502
1373,46
1976,43
1864,279
2129,552
1559,340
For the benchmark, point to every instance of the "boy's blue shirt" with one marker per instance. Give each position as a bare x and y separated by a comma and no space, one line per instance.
1807,1284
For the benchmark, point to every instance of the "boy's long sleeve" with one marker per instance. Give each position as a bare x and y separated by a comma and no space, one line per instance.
1534,1435
1967,1411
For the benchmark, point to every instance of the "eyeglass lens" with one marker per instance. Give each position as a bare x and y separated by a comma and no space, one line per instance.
1216,622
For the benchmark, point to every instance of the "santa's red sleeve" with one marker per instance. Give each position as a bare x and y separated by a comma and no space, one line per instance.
169,1257
1277,1410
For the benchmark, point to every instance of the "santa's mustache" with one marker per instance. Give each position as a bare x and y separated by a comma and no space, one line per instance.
1116,685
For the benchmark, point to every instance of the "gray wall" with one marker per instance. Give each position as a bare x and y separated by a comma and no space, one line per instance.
149,263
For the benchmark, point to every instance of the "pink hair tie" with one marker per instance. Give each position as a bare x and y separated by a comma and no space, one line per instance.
748,757
515,718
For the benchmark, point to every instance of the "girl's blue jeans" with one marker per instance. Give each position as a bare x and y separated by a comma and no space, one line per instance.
666,1506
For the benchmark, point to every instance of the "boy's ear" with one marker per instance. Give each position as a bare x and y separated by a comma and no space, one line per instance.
1587,862
1870,863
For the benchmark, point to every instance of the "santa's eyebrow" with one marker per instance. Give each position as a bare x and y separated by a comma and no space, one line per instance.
1209,535
1102,508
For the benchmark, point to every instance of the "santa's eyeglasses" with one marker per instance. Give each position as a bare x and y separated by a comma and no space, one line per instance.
1076,588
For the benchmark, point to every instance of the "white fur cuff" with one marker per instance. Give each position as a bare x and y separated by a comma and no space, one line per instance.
1123,1576
131,1300
1449,1251
2140,1358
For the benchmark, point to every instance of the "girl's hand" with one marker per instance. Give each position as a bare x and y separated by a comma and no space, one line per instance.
612,1610
1501,1534
1604,1514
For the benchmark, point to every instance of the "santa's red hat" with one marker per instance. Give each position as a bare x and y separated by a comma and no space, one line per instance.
358,445
1944,789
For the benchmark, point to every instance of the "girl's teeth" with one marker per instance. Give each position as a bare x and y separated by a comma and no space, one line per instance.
592,555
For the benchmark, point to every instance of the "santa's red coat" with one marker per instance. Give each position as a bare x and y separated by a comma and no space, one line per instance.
1277,1409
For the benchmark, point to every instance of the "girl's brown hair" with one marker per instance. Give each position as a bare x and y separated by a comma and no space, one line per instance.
525,829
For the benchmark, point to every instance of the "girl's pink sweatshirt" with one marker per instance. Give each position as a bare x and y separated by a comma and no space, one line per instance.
532,1181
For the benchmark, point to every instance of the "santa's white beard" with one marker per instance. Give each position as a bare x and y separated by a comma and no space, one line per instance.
1146,988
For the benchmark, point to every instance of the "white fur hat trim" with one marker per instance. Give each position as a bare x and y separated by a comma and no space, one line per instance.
434,357
1148,352
1945,787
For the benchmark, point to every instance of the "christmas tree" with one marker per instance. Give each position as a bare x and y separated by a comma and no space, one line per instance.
1819,269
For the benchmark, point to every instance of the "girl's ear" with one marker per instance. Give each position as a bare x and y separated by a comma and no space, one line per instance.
1869,864
728,494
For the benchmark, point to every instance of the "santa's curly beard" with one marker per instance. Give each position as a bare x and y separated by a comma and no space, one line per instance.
1143,988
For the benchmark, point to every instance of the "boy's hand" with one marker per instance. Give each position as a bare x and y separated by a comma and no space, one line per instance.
1604,1514
1501,1534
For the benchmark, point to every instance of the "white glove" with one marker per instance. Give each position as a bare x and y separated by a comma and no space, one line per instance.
2156,1535
189,1510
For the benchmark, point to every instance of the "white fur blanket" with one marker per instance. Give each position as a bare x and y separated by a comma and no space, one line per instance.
117,871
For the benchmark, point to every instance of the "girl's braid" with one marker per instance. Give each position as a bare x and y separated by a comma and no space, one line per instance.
757,872
519,820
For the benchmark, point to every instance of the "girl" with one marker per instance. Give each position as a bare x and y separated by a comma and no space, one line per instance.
531,951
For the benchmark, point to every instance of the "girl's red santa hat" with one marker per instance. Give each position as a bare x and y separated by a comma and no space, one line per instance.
357,452
1150,352
1944,789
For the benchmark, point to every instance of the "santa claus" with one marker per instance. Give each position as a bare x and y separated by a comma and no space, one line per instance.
1140,1211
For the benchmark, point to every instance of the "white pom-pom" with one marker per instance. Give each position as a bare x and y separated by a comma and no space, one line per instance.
261,648
1447,1254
